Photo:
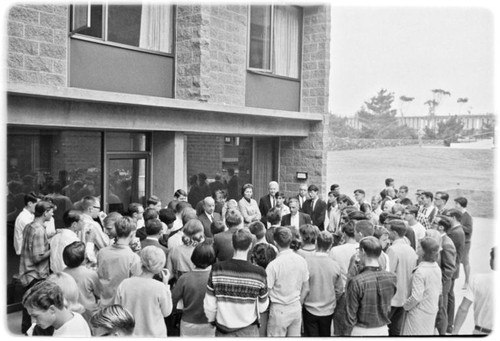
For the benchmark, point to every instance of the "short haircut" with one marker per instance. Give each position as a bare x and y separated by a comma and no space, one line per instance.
334,187
111,218
280,194
453,212
365,227
153,226
42,207
388,181
445,196
274,216
404,187
461,201
312,188
295,200
359,191
203,255
217,226
153,200
308,233
245,187
428,195
406,202
383,217
31,197
124,227
153,259
282,236
133,207
257,229
242,239
349,229
398,226
150,213
444,222
187,214
371,246
357,215
233,218
397,208
42,295
180,192
113,318
70,217
431,249
70,290
262,254
324,241
74,254
181,205
230,171
379,231
167,216
413,210
87,202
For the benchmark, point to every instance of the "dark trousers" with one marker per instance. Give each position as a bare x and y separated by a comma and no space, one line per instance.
26,319
340,327
315,326
442,315
451,307
397,317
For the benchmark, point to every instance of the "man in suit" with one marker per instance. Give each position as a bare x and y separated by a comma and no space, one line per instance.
315,207
233,187
208,216
302,196
295,218
268,201
154,229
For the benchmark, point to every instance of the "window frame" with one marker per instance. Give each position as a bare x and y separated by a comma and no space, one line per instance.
272,71
74,32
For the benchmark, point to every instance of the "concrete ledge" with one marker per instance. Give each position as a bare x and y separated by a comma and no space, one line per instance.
84,95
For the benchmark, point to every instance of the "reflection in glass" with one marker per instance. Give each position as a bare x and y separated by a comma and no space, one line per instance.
127,183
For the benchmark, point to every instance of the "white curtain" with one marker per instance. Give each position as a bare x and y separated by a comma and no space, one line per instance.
156,27
286,40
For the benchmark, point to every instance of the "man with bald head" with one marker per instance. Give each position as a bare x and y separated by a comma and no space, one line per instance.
208,216
268,201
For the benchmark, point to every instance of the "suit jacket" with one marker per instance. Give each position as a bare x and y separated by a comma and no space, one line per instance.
233,189
207,223
457,235
303,219
318,214
300,207
447,258
264,207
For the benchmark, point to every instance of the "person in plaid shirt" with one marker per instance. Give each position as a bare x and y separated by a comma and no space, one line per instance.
35,253
369,293
427,211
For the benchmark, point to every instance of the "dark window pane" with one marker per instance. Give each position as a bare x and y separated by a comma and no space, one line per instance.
95,29
134,142
124,24
260,37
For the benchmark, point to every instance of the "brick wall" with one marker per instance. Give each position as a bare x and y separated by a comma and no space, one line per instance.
37,44
310,154
204,154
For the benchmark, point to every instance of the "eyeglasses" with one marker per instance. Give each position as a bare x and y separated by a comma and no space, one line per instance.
98,207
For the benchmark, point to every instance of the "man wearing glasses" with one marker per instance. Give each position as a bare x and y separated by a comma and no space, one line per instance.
92,234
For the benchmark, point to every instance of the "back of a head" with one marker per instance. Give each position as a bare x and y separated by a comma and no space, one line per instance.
257,229
274,216
461,201
153,259
233,218
444,222
349,229
379,231
167,216
453,212
132,208
308,233
398,226
282,236
42,207
371,246
30,197
430,247
153,227
203,255
74,254
153,200
434,234
263,254
187,214
242,240
124,227
70,217
43,295
150,213
87,202
115,320
406,202
324,241
70,289
357,215
217,226
181,205
365,227
397,209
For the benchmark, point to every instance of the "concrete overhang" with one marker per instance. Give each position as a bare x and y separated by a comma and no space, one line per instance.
81,108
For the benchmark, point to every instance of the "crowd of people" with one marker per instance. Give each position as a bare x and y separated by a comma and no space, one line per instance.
209,264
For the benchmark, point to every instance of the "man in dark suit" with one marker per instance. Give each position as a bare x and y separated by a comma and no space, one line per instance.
302,196
233,187
154,229
295,218
315,207
223,245
208,216
268,201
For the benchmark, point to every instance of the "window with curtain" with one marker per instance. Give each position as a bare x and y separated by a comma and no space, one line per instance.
275,39
147,26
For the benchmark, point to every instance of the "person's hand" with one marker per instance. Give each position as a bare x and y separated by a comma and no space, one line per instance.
166,276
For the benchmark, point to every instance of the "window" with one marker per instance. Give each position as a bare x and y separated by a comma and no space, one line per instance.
275,39
147,26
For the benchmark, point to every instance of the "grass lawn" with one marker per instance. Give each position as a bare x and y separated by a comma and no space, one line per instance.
460,172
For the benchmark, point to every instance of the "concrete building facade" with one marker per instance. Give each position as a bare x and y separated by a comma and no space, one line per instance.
128,101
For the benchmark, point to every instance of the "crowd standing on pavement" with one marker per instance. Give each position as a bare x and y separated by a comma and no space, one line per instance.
215,261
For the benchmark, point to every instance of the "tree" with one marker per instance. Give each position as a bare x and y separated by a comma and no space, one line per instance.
379,118
448,130
436,100
405,100
462,101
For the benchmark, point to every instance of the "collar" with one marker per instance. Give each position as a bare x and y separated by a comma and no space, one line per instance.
370,268
399,241
287,251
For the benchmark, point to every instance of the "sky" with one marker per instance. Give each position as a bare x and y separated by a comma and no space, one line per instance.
410,51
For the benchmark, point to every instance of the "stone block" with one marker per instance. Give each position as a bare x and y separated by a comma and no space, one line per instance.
15,29
52,51
24,15
60,67
15,60
53,21
39,33
23,76
52,79
36,63
18,45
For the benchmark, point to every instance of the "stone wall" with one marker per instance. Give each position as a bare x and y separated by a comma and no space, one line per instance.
345,143
310,154
37,44
204,155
